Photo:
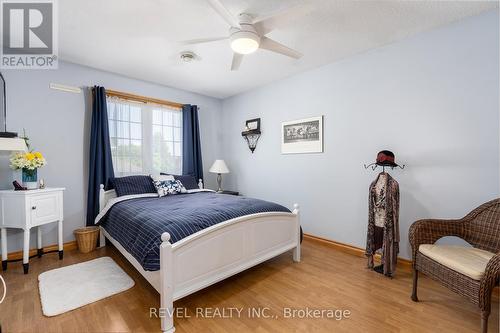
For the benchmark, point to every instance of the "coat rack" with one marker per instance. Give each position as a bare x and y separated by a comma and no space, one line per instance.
375,165
385,159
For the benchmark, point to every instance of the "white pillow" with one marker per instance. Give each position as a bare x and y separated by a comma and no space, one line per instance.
161,178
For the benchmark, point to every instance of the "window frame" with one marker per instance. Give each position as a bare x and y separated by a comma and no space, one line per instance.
148,107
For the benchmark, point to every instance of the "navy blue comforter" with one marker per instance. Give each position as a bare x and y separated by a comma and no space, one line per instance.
138,223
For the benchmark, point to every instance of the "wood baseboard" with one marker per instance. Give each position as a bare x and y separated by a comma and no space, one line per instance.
356,251
19,254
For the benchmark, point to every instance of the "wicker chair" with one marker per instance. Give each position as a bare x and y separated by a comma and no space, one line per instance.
481,228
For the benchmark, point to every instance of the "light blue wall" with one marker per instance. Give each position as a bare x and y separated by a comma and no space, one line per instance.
433,99
58,125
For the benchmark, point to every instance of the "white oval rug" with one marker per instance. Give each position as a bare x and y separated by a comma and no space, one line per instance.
68,288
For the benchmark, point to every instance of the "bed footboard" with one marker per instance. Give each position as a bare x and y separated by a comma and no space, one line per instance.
223,250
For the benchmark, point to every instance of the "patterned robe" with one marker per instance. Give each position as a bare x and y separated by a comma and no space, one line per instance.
387,237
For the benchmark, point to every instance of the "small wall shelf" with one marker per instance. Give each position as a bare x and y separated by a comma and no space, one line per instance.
252,137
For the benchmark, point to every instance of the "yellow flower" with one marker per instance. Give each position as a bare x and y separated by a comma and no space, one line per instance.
38,155
30,156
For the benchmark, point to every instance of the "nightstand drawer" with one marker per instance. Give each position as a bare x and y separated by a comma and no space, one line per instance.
44,208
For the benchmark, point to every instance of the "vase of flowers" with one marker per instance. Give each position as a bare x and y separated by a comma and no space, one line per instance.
30,178
28,162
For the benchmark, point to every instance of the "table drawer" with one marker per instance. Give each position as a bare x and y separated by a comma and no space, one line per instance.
44,208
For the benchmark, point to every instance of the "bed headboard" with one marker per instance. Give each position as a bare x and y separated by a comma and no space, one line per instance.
105,196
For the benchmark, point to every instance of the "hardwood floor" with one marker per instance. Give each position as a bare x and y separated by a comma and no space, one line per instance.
325,279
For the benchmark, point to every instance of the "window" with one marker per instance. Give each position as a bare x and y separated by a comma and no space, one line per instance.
145,138
167,140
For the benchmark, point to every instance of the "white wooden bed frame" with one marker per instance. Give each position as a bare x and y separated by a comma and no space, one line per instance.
213,254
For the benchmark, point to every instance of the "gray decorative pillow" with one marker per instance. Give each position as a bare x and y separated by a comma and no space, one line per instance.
168,187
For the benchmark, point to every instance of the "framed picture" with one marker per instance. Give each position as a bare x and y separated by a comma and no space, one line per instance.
302,136
253,124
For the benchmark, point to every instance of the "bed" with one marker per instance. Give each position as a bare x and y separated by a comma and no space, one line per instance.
225,235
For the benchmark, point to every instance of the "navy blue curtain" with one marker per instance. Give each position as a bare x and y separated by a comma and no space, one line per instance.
191,146
100,161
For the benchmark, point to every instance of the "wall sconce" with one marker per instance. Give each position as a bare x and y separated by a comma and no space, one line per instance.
251,133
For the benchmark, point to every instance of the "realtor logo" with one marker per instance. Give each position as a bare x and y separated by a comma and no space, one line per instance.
29,34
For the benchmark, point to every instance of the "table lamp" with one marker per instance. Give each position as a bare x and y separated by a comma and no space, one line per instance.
12,144
219,167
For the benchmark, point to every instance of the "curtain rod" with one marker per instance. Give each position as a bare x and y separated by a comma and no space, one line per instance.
143,99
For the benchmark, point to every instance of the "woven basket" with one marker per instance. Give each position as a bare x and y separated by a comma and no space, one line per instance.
86,238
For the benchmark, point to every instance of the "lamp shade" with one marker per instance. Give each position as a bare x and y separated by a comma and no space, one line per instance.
12,144
219,166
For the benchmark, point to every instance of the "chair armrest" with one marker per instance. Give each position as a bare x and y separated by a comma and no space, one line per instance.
489,281
428,231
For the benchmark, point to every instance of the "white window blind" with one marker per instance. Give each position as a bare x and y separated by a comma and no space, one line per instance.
145,138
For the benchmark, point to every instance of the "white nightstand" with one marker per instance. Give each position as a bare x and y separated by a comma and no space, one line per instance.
28,209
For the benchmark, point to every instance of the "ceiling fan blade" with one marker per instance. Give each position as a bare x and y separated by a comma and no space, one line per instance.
237,58
224,13
268,23
271,45
202,40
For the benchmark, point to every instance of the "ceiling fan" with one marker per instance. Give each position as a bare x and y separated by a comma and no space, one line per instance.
248,35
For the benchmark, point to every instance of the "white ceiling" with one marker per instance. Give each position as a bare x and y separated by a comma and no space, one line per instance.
140,39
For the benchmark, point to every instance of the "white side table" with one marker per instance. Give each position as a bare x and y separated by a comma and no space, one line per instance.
28,209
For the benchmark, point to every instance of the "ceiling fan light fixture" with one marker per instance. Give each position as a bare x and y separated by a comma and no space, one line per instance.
244,42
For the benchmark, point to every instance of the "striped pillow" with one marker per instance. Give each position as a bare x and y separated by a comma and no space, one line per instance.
188,181
132,185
